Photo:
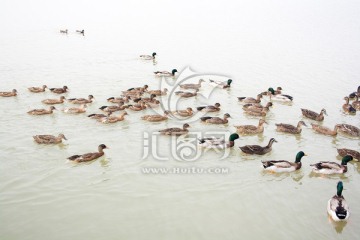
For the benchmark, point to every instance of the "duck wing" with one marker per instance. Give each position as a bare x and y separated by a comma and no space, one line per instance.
287,126
277,163
327,165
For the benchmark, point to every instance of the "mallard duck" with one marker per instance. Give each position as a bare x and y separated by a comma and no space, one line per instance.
251,129
184,113
158,92
313,115
41,111
216,120
165,73
332,167
256,112
59,90
99,115
176,131
54,101
209,108
89,156
282,127
118,100
356,103
81,100
279,97
218,143
324,130
138,89
256,149
283,165
187,94
354,94
64,31
156,118
114,108
349,129
152,104
337,207
192,85
345,151
49,139
347,107
256,106
8,94
80,109
112,119
37,89
219,84
148,57
150,99
138,107
81,31
250,99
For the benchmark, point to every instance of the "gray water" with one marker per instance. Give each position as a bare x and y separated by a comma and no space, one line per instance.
309,48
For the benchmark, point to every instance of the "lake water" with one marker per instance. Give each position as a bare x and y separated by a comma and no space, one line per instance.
309,48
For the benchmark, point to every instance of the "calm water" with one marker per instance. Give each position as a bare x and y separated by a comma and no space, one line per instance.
310,48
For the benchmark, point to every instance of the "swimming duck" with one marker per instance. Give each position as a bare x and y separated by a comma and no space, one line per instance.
165,73
219,84
80,109
119,100
138,89
81,100
49,139
209,108
251,129
283,165
356,103
279,97
148,99
332,167
324,130
337,207
54,101
158,92
41,111
59,90
99,115
250,99
81,31
313,115
256,106
138,107
282,127
89,156
192,85
176,131
187,94
152,104
156,118
218,143
37,89
345,151
354,94
64,31
9,94
216,120
148,57
256,149
114,108
349,130
347,107
112,119
184,113
257,112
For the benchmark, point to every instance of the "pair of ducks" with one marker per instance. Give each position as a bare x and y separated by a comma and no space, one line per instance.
353,107
54,90
71,100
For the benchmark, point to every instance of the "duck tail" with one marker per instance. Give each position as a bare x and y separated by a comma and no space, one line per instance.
74,157
91,115
288,96
200,108
241,98
205,118
341,212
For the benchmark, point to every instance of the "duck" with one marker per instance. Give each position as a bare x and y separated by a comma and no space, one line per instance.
13,93
332,167
356,103
187,94
288,128
251,129
165,73
279,97
153,104
278,90
250,99
41,111
256,106
138,89
81,100
209,108
54,101
114,108
156,118
219,84
184,113
49,139
81,31
175,130
324,130
64,31
347,107
284,165
192,85
158,92
313,115
345,151
80,109
337,207
216,120
150,99
148,57
118,100
138,107
37,89
354,94
112,119
59,90
349,129
89,156
256,149
257,112
99,115
218,143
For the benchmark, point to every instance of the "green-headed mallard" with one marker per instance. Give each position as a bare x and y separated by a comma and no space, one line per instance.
282,127
112,119
356,103
13,93
332,167
337,207
158,92
347,107
250,99
148,57
183,113
218,143
251,129
256,149
59,90
324,130
80,109
216,120
283,165
256,106
345,151
41,111
156,118
37,89
219,84
89,156
175,130
54,101
192,85
279,97
187,94
209,108
313,115
165,73
49,139
81,100
349,130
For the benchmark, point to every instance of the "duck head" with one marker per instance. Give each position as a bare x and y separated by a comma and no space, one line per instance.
346,159
299,155
229,81
173,72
